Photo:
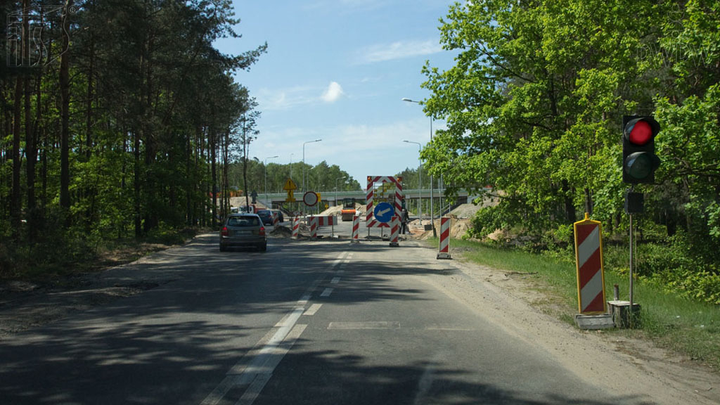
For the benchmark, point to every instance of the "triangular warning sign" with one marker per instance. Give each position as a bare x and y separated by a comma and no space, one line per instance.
289,185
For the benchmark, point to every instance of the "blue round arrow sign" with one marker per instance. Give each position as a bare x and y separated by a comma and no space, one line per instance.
384,212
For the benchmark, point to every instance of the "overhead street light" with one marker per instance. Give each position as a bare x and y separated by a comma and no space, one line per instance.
432,186
336,187
305,143
419,179
266,195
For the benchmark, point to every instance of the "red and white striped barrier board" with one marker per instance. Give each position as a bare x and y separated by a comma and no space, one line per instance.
276,219
356,229
296,227
370,222
395,231
444,247
313,227
589,264
327,220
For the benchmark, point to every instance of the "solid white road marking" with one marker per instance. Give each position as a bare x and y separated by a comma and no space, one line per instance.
312,310
327,292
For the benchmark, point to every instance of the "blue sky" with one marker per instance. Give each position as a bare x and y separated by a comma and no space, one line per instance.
337,70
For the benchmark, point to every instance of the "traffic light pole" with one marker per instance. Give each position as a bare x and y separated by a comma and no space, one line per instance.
630,308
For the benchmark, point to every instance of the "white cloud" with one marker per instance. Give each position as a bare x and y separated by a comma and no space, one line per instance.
397,50
284,99
332,93
287,98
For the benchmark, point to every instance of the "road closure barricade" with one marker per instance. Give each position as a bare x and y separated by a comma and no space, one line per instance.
395,231
316,221
295,227
356,229
444,246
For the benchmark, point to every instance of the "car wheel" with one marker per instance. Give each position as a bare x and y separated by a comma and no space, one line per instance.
263,247
223,248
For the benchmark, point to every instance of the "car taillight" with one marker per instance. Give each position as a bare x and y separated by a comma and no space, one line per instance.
224,231
262,231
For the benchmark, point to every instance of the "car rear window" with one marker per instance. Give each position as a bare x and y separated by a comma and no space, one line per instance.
243,221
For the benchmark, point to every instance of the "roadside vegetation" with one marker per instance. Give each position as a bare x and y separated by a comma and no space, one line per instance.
669,317
534,109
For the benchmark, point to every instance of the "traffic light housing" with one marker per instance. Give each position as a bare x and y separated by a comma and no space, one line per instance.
639,158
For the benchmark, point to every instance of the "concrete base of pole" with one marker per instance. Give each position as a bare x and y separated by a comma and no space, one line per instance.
444,256
602,321
620,312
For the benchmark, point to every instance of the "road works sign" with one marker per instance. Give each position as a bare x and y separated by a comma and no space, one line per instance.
289,185
589,265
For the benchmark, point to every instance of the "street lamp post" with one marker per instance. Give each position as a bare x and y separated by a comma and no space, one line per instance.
266,196
336,188
419,179
432,212
304,143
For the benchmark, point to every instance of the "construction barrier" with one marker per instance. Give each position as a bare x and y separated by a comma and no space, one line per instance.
395,231
313,227
295,227
327,220
444,249
276,219
356,229
370,221
589,265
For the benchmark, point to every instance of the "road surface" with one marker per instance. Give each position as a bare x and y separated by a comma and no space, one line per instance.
315,322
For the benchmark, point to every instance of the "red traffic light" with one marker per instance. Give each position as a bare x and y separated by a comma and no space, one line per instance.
640,131
639,158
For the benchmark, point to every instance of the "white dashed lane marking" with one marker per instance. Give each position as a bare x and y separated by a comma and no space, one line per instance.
312,310
327,292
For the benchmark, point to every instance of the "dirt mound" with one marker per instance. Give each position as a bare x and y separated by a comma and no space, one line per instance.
466,210
281,232
458,228
332,211
359,209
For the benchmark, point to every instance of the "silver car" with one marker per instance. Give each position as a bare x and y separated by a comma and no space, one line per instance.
243,230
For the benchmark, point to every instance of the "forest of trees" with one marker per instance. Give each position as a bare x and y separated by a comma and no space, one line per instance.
121,124
321,177
534,107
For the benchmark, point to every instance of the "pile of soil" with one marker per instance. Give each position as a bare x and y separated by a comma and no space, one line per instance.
281,232
458,228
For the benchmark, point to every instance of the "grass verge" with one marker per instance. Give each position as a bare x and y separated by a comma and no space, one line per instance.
687,327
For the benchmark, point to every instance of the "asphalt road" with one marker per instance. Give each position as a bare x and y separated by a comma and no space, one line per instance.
307,322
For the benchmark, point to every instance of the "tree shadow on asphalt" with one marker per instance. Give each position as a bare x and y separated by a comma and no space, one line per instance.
174,344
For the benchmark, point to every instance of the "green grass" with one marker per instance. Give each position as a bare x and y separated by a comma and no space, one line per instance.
684,326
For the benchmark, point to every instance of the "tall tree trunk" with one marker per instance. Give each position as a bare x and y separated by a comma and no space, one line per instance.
245,151
65,115
213,157
30,149
15,202
136,184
